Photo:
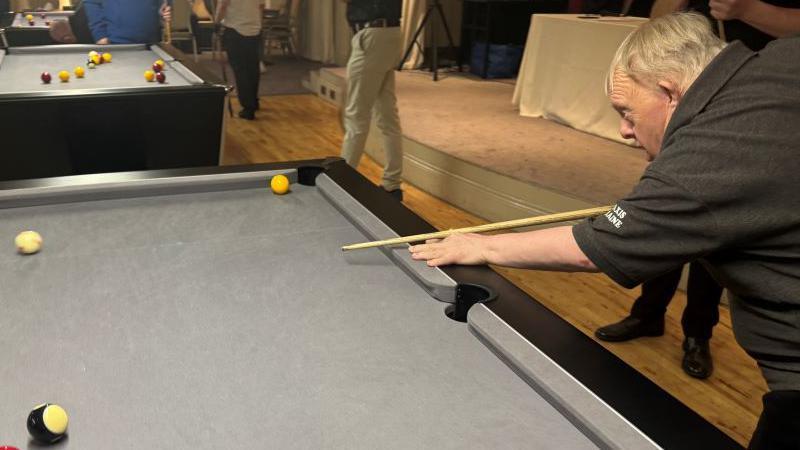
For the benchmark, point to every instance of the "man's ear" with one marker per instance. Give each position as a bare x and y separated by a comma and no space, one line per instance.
672,91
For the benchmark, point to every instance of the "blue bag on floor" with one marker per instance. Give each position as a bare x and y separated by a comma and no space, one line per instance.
504,60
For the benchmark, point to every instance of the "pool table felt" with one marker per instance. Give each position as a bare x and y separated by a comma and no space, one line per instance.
21,22
20,72
232,320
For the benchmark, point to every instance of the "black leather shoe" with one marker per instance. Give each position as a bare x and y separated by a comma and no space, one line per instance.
397,194
697,358
630,328
247,114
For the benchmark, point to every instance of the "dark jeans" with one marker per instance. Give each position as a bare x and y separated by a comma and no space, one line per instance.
702,300
243,55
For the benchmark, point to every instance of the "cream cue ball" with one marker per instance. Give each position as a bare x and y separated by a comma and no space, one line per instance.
28,242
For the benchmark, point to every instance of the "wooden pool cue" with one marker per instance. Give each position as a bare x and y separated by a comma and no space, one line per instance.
721,30
518,223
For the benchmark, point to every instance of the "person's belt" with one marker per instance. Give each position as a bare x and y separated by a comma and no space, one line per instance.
377,23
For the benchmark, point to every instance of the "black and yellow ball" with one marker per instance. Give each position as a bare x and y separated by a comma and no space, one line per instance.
47,423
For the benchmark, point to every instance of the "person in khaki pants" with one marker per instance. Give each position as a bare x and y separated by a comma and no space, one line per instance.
376,48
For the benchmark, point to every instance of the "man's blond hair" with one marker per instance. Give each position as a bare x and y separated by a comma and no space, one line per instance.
675,47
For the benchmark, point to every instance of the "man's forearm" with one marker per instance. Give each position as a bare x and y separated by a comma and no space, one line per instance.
550,249
222,8
773,20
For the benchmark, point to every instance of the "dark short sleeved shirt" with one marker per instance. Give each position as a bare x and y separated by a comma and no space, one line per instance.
368,10
725,187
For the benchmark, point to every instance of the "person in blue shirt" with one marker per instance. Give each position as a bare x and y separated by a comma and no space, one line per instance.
126,21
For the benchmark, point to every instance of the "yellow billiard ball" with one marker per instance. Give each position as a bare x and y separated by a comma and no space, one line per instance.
29,18
107,57
79,72
149,75
95,59
28,242
63,76
279,184
92,53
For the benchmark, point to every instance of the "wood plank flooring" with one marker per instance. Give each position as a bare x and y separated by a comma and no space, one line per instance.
303,127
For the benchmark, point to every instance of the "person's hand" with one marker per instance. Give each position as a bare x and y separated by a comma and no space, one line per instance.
103,41
455,249
166,12
729,9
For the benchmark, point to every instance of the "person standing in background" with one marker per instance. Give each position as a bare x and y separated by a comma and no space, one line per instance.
242,41
376,48
126,21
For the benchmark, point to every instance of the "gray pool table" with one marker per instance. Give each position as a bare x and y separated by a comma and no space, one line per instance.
16,30
195,309
112,119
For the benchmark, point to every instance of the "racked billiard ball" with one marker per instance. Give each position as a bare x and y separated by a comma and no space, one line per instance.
47,423
106,58
46,77
161,78
91,65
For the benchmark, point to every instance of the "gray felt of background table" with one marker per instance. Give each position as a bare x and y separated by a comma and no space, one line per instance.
21,68
38,22
233,320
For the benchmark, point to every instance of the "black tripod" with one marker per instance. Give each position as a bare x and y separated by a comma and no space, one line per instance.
437,7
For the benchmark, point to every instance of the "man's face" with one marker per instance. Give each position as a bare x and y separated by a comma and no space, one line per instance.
644,111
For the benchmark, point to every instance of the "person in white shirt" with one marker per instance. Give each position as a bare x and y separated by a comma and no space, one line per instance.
242,41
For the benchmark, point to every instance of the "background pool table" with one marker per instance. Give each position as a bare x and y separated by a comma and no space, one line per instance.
112,119
15,31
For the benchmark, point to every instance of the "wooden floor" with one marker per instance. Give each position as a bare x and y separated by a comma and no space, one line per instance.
303,127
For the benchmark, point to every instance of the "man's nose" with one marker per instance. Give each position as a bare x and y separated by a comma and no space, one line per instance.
625,129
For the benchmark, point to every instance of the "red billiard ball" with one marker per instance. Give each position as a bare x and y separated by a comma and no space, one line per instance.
42,15
47,22
31,23
46,78
160,77
157,68
8,447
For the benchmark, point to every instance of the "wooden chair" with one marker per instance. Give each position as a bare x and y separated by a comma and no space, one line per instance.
182,24
279,28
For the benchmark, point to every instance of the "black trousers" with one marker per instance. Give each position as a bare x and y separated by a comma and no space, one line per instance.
779,425
243,54
702,300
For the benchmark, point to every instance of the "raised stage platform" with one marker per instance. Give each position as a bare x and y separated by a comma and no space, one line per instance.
466,143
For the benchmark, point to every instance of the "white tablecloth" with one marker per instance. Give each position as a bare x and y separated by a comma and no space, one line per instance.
564,67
